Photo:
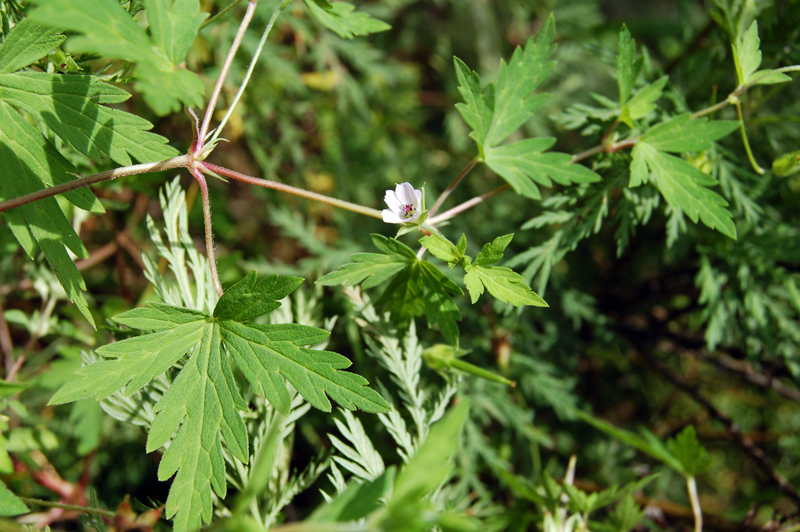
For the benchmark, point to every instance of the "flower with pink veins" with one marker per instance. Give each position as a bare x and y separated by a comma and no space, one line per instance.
405,204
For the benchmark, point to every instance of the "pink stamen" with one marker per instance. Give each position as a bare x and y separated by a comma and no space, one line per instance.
408,210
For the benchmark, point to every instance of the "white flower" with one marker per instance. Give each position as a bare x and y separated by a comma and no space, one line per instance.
405,204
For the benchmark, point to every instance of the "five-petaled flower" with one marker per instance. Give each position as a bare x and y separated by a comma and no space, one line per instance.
405,204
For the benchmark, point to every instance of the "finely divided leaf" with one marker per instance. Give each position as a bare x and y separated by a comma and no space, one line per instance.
342,19
108,30
27,42
203,403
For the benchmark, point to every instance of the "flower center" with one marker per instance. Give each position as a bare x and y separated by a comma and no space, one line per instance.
408,210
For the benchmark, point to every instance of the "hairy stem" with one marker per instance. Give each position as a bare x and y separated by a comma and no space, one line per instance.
446,215
452,186
250,69
354,207
182,161
212,102
72,507
212,260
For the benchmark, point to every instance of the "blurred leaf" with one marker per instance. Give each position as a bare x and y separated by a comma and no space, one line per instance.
688,451
10,504
628,67
342,19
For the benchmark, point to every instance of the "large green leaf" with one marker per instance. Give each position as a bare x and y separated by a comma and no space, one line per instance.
27,42
203,403
106,29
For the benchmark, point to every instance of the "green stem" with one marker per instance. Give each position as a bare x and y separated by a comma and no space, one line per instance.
274,185
753,163
71,507
220,14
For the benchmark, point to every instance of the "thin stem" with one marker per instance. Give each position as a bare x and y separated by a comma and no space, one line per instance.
220,14
212,102
588,153
453,185
182,161
71,507
691,486
212,260
46,312
753,163
354,207
250,69
446,215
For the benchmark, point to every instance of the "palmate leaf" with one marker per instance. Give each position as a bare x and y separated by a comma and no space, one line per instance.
108,30
496,111
633,106
747,58
416,286
203,403
682,184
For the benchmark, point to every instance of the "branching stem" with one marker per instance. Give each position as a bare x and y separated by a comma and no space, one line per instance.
212,102
182,161
354,207
452,186
212,260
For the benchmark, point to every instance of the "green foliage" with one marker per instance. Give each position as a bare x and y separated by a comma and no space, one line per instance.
342,19
494,112
693,458
108,30
683,185
204,400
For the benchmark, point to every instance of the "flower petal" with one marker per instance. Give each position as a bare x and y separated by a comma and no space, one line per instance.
406,195
391,200
391,217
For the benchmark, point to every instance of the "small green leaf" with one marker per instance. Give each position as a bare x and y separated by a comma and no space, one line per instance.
493,252
342,19
356,502
643,102
787,164
7,389
503,283
628,67
687,450
746,54
441,248
27,42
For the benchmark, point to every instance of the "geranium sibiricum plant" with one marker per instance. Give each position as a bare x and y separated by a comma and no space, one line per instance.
220,376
